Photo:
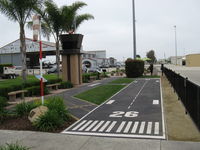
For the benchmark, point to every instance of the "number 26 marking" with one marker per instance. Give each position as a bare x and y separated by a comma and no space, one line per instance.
128,114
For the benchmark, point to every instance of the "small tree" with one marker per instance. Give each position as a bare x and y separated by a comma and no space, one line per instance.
151,55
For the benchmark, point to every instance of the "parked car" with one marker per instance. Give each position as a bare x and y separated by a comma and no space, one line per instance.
94,70
53,70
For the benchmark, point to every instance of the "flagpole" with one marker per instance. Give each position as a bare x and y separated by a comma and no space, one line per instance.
41,70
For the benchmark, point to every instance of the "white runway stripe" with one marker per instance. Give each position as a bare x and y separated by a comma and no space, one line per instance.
85,125
134,129
121,126
149,127
155,102
104,126
128,127
111,126
79,125
142,127
91,126
98,126
156,129
110,102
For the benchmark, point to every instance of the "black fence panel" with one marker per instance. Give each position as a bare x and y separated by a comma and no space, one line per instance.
188,93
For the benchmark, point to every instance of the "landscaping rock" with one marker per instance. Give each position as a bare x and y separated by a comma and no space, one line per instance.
37,112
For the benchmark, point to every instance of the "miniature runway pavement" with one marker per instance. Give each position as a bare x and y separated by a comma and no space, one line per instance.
134,112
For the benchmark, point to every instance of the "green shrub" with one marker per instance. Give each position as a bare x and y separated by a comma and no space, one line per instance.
35,90
65,85
14,146
3,102
86,77
52,81
134,68
24,108
57,104
49,121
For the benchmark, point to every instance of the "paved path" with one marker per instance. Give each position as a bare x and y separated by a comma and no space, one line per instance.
136,111
79,108
49,141
192,73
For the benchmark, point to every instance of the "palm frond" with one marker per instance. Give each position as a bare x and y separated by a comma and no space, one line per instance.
81,18
77,5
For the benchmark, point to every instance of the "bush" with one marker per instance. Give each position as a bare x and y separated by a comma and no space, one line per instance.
35,90
134,68
49,121
86,77
15,146
3,102
24,108
65,85
57,104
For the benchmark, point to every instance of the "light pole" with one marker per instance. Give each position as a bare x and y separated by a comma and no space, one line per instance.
134,30
175,43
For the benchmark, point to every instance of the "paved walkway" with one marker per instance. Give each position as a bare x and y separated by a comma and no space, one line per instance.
192,73
79,108
50,141
135,111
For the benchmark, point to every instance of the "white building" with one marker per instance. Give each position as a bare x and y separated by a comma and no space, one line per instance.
179,60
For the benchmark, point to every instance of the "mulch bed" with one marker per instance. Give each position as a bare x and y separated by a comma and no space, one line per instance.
22,123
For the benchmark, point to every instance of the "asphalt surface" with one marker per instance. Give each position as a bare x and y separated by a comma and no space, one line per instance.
135,111
79,108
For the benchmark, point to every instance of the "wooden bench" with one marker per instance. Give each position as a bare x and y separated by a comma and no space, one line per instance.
93,78
53,86
12,95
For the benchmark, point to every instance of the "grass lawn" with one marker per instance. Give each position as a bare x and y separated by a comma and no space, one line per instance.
122,80
19,81
100,94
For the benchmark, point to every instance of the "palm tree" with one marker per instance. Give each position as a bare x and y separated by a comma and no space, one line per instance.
19,11
72,19
57,20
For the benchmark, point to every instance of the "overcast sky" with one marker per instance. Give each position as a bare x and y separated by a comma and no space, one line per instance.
112,28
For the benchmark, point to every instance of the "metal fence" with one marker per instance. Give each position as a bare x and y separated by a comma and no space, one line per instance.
188,92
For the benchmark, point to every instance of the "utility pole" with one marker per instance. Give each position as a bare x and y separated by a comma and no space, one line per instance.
175,43
134,30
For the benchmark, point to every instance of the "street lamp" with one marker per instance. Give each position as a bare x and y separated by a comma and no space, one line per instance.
175,43
134,30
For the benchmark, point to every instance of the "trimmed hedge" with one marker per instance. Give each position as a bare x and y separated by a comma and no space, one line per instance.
134,68
35,90
65,85
18,84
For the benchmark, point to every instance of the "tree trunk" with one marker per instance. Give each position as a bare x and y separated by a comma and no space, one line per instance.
23,50
58,57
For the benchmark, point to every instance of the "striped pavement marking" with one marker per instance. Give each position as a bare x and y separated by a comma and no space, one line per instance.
110,102
155,102
123,127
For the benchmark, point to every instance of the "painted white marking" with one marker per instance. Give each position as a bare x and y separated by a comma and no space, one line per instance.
64,131
155,102
157,81
142,127
137,94
110,102
93,84
135,127
156,129
128,127
98,125
115,135
85,125
147,79
79,125
135,81
91,126
121,126
104,126
111,126
129,107
149,127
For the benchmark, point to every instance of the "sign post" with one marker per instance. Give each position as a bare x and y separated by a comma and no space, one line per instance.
36,34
